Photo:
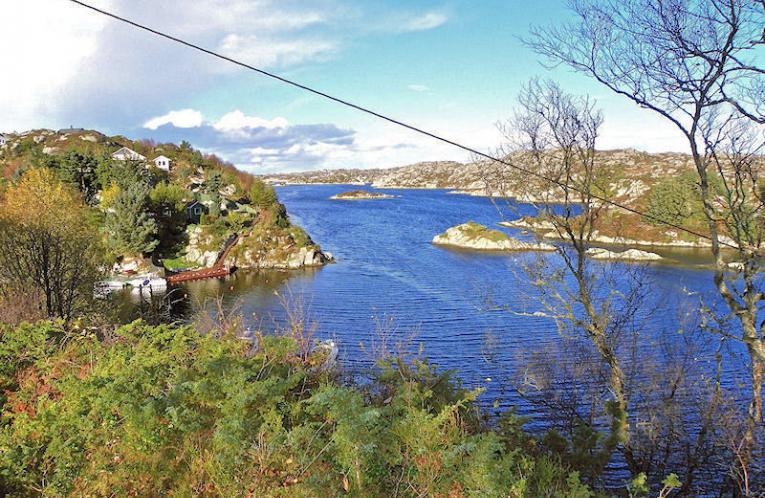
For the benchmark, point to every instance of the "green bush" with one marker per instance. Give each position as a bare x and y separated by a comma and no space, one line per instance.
670,201
167,411
261,194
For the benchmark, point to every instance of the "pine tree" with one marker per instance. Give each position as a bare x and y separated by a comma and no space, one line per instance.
261,194
131,226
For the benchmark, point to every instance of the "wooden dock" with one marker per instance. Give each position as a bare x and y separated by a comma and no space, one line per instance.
186,276
215,271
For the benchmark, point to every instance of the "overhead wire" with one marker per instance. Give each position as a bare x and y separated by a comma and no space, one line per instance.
396,122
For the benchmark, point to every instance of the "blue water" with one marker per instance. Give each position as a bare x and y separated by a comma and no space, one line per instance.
389,273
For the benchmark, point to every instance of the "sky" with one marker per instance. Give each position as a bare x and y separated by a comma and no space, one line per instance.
450,66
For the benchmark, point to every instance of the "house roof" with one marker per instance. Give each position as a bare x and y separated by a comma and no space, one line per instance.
125,151
161,157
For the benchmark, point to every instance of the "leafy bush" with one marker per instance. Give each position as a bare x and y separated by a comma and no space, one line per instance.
167,411
677,200
671,201
49,244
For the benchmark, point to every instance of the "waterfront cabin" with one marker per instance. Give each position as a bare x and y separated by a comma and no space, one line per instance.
195,210
126,154
162,162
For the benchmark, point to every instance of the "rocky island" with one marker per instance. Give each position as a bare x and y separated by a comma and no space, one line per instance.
628,255
614,231
472,235
361,195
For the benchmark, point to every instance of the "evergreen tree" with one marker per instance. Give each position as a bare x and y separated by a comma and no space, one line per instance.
261,194
122,173
669,202
167,204
80,171
130,224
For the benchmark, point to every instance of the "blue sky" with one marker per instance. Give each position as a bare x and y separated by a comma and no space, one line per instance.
453,67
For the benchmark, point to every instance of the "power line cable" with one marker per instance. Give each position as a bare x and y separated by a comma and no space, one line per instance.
394,121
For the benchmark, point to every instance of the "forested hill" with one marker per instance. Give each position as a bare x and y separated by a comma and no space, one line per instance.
162,202
41,147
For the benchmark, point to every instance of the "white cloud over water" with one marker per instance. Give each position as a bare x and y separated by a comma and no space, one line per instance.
237,120
266,145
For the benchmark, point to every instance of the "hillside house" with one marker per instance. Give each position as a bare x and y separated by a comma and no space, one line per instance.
195,210
163,163
3,140
125,154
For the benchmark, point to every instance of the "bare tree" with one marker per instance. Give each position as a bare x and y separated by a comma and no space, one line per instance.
692,62
663,409
554,134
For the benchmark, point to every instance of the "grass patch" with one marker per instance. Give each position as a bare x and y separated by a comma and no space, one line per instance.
477,231
176,264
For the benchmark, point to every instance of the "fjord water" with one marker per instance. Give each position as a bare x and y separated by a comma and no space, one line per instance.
389,273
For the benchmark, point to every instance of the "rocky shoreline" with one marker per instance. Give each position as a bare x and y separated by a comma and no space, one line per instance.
628,255
546,230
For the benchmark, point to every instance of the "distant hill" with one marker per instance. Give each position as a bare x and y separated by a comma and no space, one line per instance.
632,174
640,180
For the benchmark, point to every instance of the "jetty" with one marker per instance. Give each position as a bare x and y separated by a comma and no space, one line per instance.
219,269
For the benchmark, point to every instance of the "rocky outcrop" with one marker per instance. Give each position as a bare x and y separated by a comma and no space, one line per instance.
474,236
275,249
304,257
546,230
628,255
201,249
541,225
361,195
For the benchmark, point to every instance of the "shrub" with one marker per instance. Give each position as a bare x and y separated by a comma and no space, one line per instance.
167,411
48,243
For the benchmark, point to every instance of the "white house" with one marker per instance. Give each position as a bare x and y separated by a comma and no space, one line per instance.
163,163
125,154
3,140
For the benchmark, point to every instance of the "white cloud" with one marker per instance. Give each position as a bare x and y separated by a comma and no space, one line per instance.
45,45
260,145
185,118
242,16
68,65
404,21
235,120
268,52
627,126
427,21
419,88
